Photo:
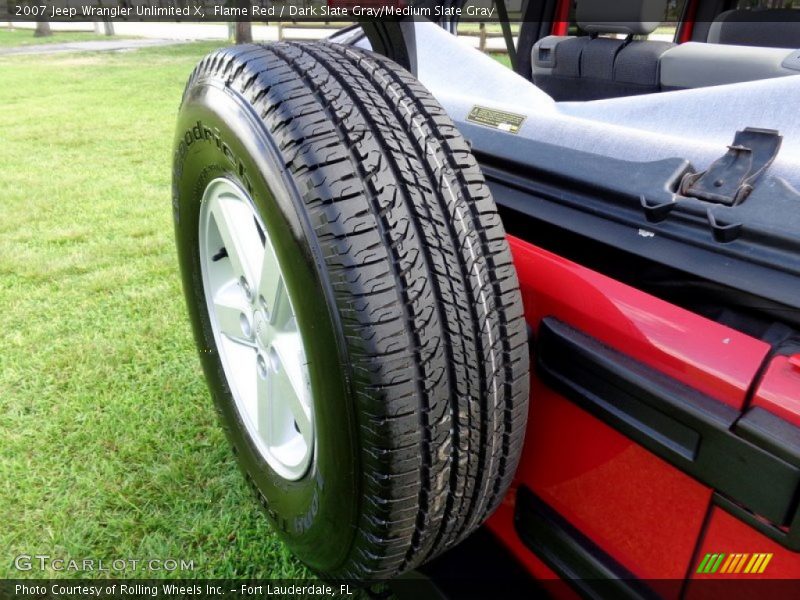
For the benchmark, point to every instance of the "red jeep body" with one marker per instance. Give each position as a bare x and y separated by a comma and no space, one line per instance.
606,500
646,514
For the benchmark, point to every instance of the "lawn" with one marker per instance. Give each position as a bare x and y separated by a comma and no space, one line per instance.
24,37
110,446
502,58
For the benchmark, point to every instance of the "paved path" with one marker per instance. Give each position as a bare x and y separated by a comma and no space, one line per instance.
90,46
160,34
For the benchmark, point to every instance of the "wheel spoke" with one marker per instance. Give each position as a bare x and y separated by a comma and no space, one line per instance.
283,392
265,411
234,315
234,220
289,381
270,282
282,316
243,367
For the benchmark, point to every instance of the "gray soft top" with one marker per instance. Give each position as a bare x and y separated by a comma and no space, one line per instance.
696,124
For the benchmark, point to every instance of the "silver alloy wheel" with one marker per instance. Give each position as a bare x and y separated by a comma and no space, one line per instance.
255,329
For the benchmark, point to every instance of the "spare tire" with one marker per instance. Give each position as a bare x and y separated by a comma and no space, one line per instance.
353,300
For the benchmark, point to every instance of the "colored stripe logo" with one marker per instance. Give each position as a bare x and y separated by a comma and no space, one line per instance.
735,562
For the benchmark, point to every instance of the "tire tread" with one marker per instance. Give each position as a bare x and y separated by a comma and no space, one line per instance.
423,282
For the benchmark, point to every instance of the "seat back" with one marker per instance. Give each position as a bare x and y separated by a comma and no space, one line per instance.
697,64
769,28
593,67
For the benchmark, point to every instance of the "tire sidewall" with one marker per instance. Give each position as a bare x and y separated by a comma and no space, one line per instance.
219,135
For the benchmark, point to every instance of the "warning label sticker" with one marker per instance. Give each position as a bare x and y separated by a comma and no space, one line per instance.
498,119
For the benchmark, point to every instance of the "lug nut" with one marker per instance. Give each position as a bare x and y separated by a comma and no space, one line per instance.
246,287
263,305
261,364
274,360
244,323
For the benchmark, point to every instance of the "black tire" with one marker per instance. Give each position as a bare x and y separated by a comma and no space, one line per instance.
408,300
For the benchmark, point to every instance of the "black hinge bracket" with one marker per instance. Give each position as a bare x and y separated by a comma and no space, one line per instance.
752,460
730,179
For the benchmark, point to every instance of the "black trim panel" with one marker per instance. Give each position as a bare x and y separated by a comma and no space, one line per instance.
609,201
751,461
573,556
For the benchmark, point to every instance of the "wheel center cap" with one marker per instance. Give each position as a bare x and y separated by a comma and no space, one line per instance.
263,330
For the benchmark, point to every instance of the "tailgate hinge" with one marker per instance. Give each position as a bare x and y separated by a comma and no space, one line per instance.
730,179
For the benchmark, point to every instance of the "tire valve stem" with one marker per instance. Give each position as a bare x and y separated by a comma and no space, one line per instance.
223,253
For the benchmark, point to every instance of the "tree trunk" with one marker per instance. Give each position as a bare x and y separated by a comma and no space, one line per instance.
42,29
244,33
108,27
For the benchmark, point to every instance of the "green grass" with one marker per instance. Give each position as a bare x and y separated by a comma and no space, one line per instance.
502,57
668,29
472,27
110,447
24,37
